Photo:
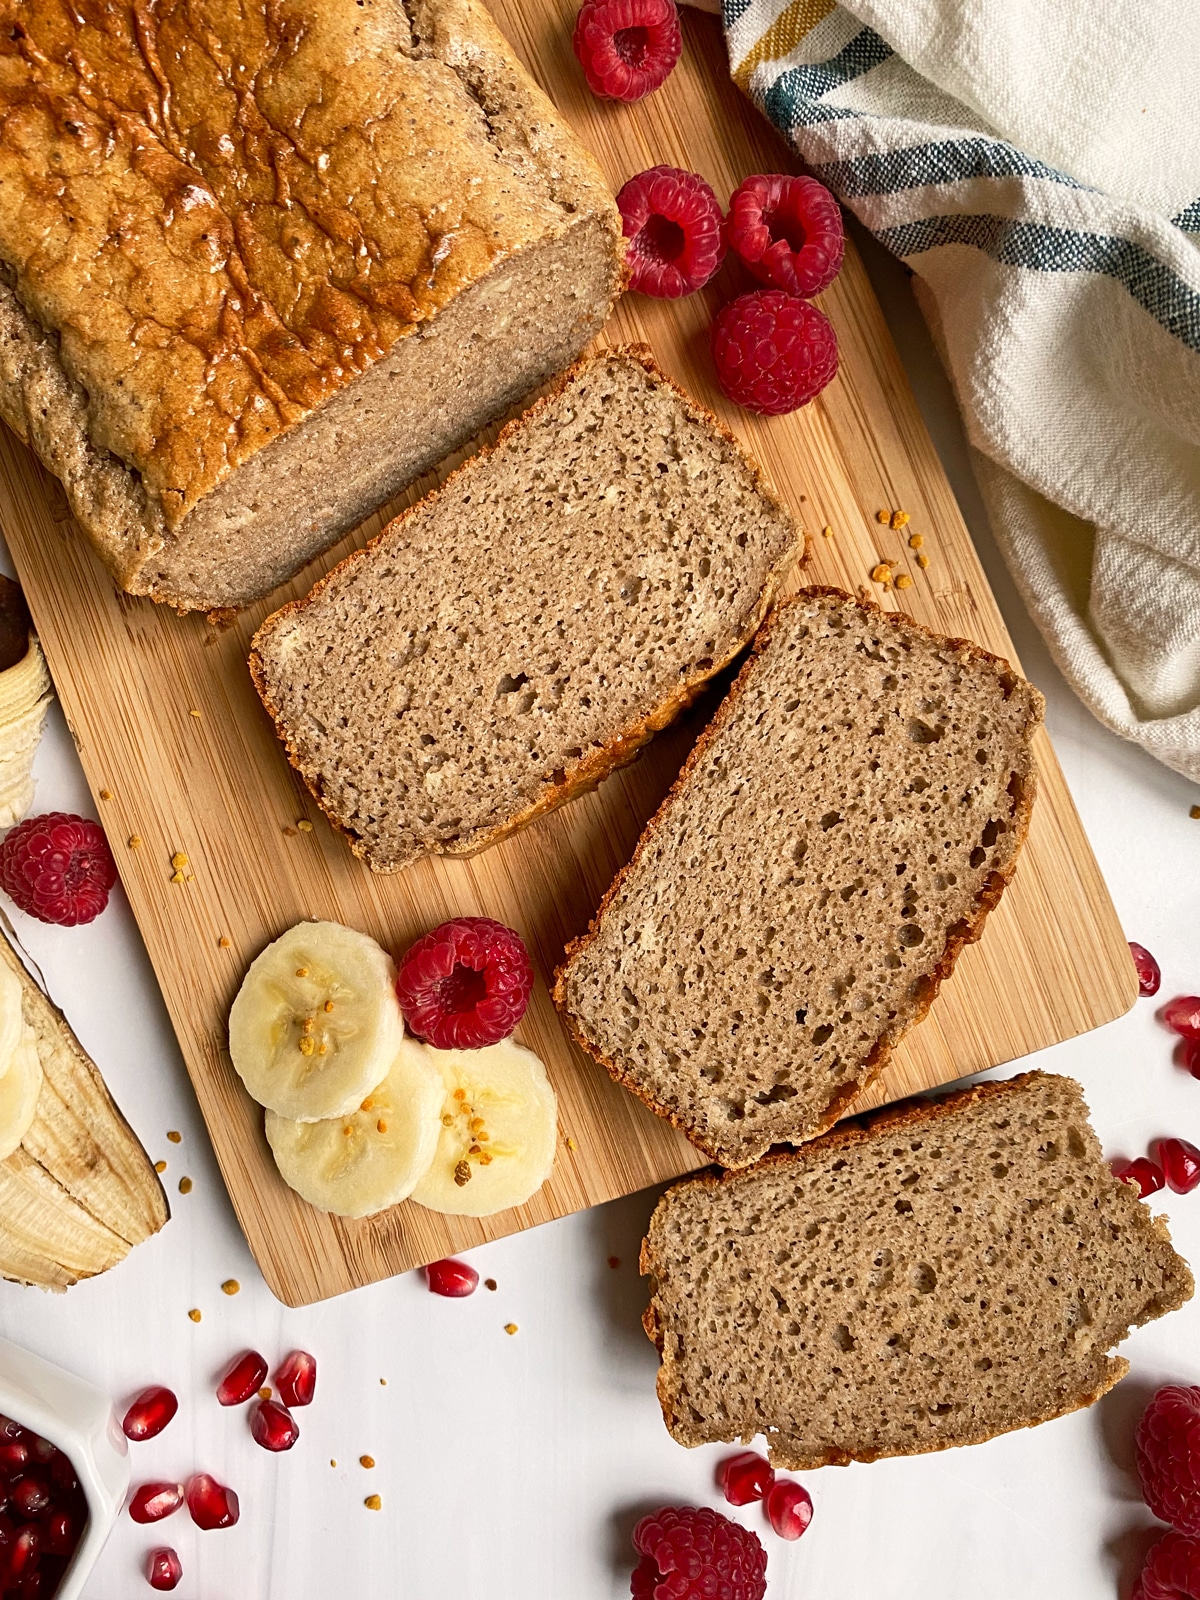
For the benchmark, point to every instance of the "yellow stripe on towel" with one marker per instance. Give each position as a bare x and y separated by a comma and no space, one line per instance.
784,34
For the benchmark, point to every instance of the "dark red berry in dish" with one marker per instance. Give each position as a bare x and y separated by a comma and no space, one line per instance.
673,228
627,48
773,351
466,984
788,230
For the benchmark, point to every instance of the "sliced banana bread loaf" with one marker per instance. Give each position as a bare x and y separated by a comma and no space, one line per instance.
291,256
838,834
508,641
950,1271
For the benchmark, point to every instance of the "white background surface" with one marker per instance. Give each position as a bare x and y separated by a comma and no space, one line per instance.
515,1467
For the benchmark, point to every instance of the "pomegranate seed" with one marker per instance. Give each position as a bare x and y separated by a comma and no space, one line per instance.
296,1379
163,1568
31,1586
744,1478
42,1449
211,1504
1182,1015
454,1279
273,1425
153,1501
30,1495
14,1454
789,1508
1191,1056
60,1534
243,1379
1143,1172
1180,1162
1149,974
26,1549
150,1413
62,1474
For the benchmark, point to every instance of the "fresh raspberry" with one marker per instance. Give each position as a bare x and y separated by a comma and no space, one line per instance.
1168,1457
673,225
690,1554
466,984
627,47
1172,1570
773,352
788,231
58,868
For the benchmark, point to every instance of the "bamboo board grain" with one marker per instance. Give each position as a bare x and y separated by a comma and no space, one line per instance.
178,753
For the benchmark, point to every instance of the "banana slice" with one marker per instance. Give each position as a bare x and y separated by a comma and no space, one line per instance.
499,1127
19,1090
12,1025
316,1024
372,1158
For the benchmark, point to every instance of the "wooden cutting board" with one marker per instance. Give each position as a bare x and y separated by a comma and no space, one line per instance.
181,759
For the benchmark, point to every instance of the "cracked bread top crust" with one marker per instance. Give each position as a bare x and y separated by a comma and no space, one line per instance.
221,215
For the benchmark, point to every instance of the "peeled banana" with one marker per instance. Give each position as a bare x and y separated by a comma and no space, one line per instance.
316,1024
20,1085
25,696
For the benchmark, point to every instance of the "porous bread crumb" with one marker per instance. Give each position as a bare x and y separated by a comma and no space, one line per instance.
837,835
435,692
952,1271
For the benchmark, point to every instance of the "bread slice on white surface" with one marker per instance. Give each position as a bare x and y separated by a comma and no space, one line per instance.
947,1271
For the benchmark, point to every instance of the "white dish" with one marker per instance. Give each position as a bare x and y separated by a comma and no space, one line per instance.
79,1419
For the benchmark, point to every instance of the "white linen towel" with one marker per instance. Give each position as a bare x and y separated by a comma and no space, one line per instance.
1036,163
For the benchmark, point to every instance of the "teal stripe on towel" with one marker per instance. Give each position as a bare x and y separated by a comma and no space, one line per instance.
947,161
794,98
1040,248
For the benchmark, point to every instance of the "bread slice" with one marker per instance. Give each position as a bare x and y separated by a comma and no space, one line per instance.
838,834
515,636
945,1272
277,277
79,1191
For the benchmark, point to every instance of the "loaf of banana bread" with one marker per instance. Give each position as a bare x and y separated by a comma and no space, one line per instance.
262,265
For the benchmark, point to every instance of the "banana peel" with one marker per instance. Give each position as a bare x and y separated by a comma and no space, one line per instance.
80,1191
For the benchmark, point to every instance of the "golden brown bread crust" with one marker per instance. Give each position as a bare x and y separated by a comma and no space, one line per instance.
619,751
249,207
960,937
906,1115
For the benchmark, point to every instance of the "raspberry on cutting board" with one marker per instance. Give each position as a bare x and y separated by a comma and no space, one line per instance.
1168,1456
674,228
627,48
58,868
788,230
694,1554
773,351
465,985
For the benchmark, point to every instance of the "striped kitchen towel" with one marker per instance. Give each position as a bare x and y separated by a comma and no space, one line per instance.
1036,163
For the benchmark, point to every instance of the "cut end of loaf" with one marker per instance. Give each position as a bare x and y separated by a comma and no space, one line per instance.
837,836
512,638
945,1272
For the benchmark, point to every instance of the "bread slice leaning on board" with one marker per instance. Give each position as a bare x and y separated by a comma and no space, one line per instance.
349,238
79,1191
943,1272
515,636
838,834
